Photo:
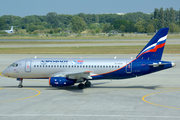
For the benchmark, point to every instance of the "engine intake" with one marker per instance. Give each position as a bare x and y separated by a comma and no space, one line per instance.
60,81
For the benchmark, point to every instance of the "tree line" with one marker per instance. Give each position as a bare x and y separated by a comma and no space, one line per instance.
96,23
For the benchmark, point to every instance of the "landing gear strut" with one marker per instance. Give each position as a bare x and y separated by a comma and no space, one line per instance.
20,83
87,84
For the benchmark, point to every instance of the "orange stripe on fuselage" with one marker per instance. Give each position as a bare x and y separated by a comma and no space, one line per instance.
115,70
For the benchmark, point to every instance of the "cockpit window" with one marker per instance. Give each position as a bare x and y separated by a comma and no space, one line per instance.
13,65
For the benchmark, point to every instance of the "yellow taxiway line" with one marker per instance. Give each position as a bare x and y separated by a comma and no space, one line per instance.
143,98
39,92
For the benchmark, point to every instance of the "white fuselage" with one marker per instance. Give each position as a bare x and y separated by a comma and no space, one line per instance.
60,67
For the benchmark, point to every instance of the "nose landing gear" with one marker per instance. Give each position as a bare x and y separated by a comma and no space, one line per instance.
20,83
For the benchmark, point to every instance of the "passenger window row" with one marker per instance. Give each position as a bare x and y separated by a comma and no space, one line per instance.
77,66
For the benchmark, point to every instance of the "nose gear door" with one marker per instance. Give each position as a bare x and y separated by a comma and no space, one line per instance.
28,66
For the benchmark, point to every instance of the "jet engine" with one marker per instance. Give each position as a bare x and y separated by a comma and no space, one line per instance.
60,81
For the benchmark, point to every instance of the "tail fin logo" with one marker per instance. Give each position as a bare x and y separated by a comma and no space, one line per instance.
12,28
153,48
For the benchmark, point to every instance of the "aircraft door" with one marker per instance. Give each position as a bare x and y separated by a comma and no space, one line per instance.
129,67
28,66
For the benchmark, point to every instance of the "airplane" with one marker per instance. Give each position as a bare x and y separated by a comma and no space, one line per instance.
11,31
68,71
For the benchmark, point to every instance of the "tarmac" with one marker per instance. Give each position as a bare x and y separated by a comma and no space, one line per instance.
126,43
155,96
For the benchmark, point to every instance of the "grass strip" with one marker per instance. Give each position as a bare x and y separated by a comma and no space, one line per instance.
86,37
63,42
169,49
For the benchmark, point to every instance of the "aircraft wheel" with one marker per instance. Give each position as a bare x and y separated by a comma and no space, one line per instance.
20,86
81,86
88,84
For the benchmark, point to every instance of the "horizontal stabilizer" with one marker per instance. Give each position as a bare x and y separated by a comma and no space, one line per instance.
157,64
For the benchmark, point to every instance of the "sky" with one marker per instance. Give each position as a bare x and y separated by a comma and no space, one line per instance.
42,7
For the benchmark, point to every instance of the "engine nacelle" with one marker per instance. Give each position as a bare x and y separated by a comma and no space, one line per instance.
60,81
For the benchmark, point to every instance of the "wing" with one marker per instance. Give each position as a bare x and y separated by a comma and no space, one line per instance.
86,75
80,76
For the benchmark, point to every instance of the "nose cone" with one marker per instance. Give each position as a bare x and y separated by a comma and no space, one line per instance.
173,64
5,73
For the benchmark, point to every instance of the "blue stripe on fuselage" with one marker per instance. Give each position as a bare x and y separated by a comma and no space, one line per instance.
139,67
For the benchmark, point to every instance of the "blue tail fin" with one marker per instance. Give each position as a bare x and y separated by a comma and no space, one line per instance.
154,49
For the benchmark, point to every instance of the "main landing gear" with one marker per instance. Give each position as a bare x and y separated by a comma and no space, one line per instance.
87,84
20,83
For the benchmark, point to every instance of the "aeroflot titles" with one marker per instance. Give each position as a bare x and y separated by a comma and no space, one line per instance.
53,61
74,62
